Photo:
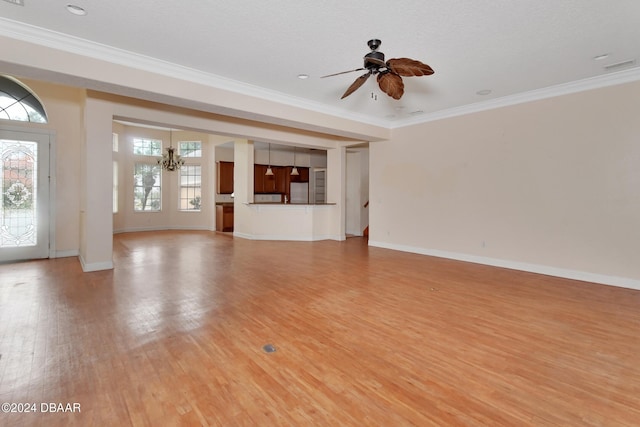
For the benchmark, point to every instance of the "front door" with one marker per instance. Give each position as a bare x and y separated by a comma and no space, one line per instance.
24,213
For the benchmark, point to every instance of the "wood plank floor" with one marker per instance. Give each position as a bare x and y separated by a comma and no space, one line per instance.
363,336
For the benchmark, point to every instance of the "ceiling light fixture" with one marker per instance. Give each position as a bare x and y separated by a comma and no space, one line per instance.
601,57
303,76
76,10
269,171
294,171
171,161
483,92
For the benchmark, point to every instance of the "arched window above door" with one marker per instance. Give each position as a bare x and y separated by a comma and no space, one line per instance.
17,102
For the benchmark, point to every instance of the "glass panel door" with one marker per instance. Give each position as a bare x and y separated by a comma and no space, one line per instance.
24,173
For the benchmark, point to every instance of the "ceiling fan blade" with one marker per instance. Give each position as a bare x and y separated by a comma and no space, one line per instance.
342,72
409,67
391,84
355,85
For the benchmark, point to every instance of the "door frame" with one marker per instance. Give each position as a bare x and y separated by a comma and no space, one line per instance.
36,129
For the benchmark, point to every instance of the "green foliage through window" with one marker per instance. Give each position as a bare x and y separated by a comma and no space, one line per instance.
147,189
190,148
147,147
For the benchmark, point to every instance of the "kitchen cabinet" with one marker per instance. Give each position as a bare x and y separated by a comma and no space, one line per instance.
263,183
225,177
303,174
281,179
224,217
269,184
279,182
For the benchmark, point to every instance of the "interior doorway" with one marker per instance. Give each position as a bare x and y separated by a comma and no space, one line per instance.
357,191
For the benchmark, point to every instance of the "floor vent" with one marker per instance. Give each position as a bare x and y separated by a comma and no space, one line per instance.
269,348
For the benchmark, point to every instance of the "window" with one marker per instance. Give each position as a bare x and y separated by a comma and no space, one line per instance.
147,147
190,148
146,187
114,139
18,103
190,194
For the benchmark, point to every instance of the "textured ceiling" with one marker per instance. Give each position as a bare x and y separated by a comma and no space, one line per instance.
509,47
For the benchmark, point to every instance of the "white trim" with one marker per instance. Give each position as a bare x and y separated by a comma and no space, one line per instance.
622,282
66,254
96,266
609,79
52,194
286,237
76,45
60,41
163,228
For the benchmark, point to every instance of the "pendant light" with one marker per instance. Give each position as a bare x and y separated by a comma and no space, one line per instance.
269,171
294,171
171,161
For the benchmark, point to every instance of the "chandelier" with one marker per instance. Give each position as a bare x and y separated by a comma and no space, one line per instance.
171,161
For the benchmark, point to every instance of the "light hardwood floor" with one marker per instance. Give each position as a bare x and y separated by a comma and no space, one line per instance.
364,337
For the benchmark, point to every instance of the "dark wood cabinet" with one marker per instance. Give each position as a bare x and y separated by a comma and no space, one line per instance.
263,183
279,182
303,174
269,184
224,217
225,177
281,179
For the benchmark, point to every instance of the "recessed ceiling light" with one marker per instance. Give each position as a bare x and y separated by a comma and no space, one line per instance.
601,57
76,10
303,76
484,92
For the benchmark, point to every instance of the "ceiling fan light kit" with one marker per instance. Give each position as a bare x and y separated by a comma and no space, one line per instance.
389,74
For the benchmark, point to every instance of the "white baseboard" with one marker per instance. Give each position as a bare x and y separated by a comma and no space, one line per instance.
66,254
137,229
95,266
286,237
622,282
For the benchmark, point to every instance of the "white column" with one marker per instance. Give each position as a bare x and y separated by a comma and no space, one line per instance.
243,158
96,204
336,190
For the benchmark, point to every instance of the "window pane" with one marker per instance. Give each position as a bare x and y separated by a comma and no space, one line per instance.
18,103
190,148
147,190
190,194
147,147
18,173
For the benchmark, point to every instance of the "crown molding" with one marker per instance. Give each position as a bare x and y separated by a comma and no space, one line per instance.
609,79
79,46
75,45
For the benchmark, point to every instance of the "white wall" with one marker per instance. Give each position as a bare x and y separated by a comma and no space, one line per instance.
551,186
64,107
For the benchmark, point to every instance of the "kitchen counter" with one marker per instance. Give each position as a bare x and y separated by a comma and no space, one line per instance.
290,221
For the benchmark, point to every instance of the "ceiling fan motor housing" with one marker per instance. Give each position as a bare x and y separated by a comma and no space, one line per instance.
378,59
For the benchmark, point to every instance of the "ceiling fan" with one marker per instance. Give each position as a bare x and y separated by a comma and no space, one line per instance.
389,73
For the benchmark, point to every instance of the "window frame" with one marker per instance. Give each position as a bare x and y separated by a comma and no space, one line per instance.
197,189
